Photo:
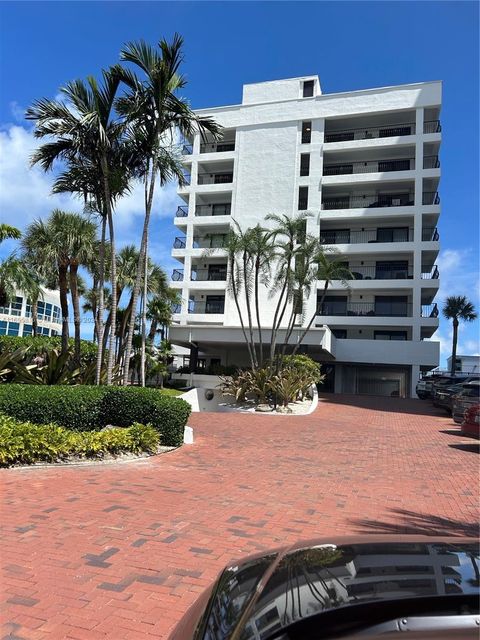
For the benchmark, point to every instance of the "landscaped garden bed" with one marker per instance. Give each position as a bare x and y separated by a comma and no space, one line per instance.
86,421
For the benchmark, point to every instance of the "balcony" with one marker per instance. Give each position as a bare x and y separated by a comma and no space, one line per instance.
430,273
431,162
430,234
393,271
218,274
367,236
187,149
367,133
432,126
181,212
217,147
429,310
214,241
180,243
187,179
379,200
215,178
177,275
373,166
206,306
366,309
216,209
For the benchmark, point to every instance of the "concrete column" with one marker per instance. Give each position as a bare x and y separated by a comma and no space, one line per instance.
414,376
193,357
417,226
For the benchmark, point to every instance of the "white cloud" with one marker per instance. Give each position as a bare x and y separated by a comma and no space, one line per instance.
25,191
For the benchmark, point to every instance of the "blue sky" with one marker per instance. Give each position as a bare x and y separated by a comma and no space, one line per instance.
350,45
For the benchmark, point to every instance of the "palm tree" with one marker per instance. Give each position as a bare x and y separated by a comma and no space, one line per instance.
65,240
287,234
8,232
155,112
89,138
457,308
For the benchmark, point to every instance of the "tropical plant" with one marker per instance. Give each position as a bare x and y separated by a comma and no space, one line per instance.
7,232
52,367
63,241
89,138
155,112
458,309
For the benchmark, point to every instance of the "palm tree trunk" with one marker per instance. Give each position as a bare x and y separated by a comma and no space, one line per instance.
144,317
35,318
153,329
149,191
257,311
63,287
101,302
307,328
234,288
454,346
276,320
249,311
111,344
76,309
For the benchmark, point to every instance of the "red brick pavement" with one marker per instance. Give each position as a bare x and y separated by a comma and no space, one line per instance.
121,550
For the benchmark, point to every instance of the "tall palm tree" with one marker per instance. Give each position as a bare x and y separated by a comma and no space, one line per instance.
65,240
457,308
88,136
155,112
287,234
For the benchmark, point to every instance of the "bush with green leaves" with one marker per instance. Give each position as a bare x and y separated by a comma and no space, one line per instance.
27,442
90,408
39,344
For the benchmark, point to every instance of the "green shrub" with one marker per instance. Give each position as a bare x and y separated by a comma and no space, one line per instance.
39,344
122,406
25,442
89,408
76,408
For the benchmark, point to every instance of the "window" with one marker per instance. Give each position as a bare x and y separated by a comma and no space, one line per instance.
391,270
308,86
303,198
27,330
390,335
392,234
305,164
333,306
391,306
16,306
340,333
335,236
215,304
306,132
3,328
56,314
13,328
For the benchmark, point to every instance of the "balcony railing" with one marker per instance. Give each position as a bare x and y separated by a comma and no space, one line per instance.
180,243
181,212
430,273
176,307
218,241
430,197
215,178
217,209
208,275
365,133
352,236
368,201
217,147
187,149
429,310
187,179
430,234
369,309
177,275
431,162
207,306
381,272
432,126
371,166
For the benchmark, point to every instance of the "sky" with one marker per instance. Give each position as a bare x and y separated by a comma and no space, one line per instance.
350,45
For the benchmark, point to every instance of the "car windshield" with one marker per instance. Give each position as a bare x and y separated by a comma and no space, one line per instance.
472,391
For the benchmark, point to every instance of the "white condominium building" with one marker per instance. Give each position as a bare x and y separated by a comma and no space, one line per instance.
365,165
16,315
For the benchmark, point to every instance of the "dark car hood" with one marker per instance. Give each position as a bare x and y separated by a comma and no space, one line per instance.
266,593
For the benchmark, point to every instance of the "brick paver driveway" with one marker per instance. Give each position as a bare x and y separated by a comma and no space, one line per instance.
121,550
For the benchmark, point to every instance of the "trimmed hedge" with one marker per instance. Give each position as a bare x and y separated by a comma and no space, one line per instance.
88,408
25,442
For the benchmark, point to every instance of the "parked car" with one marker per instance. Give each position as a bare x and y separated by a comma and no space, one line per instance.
471,421
443,396
370,585
424,388
469,396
